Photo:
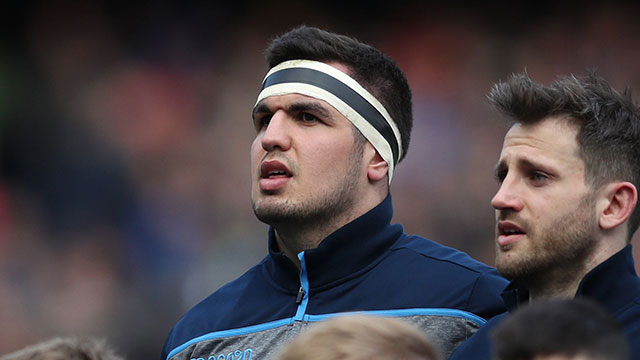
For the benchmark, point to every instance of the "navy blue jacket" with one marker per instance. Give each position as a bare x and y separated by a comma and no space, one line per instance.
613,284
366,266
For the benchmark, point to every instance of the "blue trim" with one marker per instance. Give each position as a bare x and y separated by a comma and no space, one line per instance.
233,332
304,283
314,318
407,312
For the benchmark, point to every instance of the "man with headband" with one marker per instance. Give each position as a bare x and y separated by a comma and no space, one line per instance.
333,120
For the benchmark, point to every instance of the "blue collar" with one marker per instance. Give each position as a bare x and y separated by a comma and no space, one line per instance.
614,284
353,248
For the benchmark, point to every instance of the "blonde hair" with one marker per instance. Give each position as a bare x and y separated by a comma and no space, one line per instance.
360,337
65,349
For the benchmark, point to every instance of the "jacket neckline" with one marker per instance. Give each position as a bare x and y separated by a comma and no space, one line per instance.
343,254
613,283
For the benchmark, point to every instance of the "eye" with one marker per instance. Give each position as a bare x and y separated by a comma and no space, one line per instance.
262,121
500,175
308,118
538,178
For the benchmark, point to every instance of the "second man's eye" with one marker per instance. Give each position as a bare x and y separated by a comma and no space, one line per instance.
539,178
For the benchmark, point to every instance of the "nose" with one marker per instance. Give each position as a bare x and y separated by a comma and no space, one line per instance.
277,134
508,196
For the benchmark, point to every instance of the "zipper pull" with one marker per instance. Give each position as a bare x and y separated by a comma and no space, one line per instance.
300,296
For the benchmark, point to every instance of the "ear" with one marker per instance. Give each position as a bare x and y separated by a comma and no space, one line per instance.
377,168
618,202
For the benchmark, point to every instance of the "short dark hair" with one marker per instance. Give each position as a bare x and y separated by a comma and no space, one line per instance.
560,327
376,72
609,122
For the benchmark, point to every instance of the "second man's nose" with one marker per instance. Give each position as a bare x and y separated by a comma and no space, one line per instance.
507,197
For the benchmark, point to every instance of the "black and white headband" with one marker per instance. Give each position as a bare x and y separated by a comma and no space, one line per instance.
324,82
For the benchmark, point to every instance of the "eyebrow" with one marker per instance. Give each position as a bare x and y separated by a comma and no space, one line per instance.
260,109
314,107
522,162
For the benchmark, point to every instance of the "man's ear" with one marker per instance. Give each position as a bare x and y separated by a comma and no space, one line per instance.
377,168
616,204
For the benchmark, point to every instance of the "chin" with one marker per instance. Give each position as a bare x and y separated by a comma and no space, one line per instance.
505,263
271,216
270,206
263,205
519,268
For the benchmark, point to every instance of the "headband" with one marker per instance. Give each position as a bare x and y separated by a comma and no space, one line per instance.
324,82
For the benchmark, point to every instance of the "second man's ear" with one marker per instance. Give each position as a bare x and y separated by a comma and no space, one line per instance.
618,204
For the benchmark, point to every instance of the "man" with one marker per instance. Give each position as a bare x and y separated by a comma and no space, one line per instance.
333,120
567,207
560,329
360,337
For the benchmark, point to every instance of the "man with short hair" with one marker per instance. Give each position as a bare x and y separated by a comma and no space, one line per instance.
560,329
333,120
567,207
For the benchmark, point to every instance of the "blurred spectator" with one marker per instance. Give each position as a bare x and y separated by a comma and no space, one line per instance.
65,349
360,337
577,329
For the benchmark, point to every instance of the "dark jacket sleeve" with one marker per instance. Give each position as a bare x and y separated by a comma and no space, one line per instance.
485,300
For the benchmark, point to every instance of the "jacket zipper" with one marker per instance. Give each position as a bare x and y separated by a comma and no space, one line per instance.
300,296
303,293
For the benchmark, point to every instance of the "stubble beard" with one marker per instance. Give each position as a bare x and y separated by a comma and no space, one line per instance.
319,209
558,252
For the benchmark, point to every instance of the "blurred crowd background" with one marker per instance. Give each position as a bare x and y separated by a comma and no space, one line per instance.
125,134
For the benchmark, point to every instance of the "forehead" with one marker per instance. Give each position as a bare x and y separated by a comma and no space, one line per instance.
291,97
553,138
294,102
285,99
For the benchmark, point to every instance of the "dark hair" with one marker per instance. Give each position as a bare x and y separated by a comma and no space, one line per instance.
376,72
560,327
609,123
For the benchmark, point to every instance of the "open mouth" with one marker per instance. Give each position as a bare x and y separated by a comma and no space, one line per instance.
274,169
274,176
511,232
276,173
508,233
508,228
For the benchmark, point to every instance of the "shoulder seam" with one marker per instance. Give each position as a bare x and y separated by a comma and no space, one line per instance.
477,271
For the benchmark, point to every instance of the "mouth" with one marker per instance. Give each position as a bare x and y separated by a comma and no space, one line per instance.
508,234
273,175
273,169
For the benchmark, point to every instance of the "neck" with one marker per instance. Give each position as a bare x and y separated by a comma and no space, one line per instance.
297,236
564,282
561,286
294,239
